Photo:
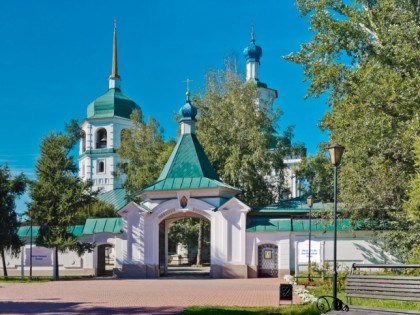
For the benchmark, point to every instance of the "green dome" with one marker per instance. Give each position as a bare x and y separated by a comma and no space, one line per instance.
113,103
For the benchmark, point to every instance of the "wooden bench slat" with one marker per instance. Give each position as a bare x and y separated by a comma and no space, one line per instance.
382,289
385,285
384,281
382,277
366,295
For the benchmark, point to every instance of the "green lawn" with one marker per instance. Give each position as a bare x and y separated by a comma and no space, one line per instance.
37,279
327,290
222,310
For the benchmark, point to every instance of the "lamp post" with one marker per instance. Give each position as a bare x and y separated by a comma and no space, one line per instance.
336,152
310,202
31,214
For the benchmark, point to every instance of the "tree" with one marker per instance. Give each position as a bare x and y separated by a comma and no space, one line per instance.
10,188
58,193
236,133
193,232
144,153
364,56
98,209
412,205
317,172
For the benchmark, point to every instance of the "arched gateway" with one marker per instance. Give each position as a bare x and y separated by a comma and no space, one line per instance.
187,187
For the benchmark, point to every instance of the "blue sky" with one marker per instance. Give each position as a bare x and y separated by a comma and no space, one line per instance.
56,58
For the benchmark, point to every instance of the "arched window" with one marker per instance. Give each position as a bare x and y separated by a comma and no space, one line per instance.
83,140
101,166
101,138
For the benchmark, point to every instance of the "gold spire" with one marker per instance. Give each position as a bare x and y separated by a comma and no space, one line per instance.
114,73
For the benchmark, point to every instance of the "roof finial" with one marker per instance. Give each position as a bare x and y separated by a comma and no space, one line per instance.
114,78
252,32
188,89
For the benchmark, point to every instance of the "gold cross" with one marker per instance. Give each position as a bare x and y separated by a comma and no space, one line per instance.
188,83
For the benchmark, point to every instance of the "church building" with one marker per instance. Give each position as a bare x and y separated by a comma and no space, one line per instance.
245,242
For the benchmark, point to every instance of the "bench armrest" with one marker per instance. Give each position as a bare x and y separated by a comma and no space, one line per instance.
327,303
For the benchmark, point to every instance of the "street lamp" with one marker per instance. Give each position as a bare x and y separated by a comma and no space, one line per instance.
336,152
31,214
310,202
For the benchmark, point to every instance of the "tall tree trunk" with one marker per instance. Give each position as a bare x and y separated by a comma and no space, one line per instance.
56,274
4,262
200,242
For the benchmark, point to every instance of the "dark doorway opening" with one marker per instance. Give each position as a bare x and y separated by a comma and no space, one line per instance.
105,260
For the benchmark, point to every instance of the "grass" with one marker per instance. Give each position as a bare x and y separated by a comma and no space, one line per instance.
233,310
37,279
377,303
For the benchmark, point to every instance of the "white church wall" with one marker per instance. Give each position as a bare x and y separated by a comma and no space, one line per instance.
42,261
255,239
352,247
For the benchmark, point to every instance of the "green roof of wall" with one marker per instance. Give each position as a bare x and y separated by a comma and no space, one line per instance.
290,206
25,231
258,224
116,197
103,225
114,103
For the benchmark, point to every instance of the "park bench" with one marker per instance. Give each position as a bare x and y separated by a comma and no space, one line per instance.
397,288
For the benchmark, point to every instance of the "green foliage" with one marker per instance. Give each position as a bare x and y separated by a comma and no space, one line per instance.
402,237
365,56
144,153
186,231
58,194
236,134
10,188
97,209
317,172
412,205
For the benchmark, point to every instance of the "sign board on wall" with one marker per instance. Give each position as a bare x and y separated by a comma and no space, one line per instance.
41,257
303,252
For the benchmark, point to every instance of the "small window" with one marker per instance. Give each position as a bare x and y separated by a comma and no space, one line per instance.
101,138
101,166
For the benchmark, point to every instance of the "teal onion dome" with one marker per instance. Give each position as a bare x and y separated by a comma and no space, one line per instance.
188,111
253,52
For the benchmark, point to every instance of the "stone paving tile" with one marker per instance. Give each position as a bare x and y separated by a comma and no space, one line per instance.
116,296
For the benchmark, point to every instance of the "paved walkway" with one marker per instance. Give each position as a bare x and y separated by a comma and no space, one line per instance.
116,296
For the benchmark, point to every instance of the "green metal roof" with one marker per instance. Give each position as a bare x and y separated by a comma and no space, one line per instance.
268,224
103,225
258,224
290,206
187,183
25,231
188,167
113,103
116,197
188,159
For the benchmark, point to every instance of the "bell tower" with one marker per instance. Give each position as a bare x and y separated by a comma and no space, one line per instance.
107,117
253,55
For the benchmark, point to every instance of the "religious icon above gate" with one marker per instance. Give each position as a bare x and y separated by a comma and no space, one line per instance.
183,202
